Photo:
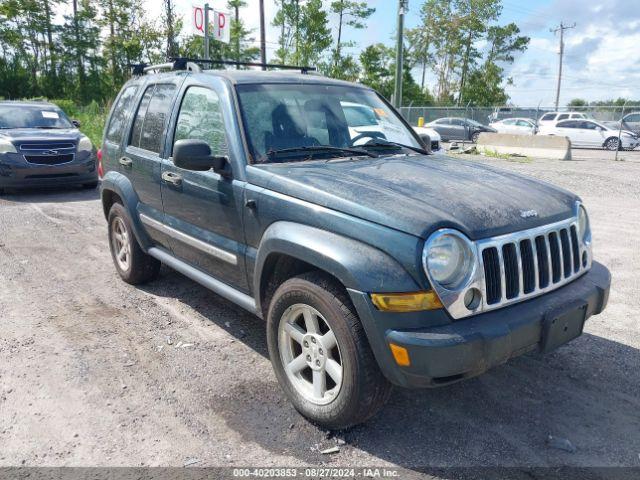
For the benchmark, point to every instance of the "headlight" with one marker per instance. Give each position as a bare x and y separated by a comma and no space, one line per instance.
7,147
449,259
85,145
584,229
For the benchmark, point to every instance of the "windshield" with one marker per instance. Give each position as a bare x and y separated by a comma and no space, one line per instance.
302,118
33,116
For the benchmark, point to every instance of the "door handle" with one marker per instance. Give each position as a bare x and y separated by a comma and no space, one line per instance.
172,178
125,162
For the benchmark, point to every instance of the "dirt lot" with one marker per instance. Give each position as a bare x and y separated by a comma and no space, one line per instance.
94,372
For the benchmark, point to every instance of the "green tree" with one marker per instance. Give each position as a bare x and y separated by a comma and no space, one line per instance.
350,14
304,34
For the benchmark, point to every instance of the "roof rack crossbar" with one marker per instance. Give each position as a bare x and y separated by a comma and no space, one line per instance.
177,64
303,69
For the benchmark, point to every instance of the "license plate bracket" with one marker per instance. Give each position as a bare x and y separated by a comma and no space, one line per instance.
558,329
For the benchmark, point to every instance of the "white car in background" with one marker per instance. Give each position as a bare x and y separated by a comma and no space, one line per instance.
555,117
362,118
589,133
436,141
515,126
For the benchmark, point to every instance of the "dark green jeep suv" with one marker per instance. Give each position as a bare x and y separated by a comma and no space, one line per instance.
373,261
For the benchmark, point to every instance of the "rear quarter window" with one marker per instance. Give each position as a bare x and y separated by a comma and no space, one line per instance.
120,114
548,116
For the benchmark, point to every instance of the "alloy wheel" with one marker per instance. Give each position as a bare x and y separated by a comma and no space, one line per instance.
310,354
120,242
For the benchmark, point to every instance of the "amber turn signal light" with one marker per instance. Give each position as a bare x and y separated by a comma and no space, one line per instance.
400,355
406,302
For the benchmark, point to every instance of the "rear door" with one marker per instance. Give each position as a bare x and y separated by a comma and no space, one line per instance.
115,131
203,209
568,128
141,159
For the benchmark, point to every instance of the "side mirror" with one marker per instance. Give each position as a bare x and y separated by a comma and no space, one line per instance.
76,123
426,141
196,155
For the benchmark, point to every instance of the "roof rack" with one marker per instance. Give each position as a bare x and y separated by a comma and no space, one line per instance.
192,64
303,69
176,64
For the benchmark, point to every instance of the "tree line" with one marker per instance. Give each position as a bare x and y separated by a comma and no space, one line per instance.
82,49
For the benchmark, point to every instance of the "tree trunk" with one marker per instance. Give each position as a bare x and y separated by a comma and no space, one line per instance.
337,60
465,66
49,30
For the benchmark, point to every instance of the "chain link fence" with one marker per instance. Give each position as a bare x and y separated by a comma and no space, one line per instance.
486,115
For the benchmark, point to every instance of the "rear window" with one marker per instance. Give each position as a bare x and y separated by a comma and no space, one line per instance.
120,114
151,117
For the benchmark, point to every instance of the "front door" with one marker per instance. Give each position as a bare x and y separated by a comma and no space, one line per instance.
203,209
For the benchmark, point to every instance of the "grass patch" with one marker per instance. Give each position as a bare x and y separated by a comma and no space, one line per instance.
506,156
92,117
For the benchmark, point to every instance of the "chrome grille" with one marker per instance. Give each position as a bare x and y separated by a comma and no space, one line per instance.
525,264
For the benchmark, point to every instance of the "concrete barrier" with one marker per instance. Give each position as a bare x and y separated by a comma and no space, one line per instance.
539,146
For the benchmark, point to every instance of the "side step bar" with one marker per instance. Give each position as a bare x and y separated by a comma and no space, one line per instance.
222,289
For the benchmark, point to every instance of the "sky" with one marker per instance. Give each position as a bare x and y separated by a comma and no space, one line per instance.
601,58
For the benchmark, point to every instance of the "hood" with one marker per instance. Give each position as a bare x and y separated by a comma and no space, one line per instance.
421,193
39,134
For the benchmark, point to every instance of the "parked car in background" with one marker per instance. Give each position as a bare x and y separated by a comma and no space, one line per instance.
554,117
516,126
456,128
630,122
434,137
500,113
40,146
362,119
589,133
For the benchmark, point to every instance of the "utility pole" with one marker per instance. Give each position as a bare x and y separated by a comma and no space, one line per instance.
207,33
263,41
397,92
560,29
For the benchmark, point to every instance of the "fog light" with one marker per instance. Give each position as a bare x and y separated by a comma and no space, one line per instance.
472,298
400,355
406,302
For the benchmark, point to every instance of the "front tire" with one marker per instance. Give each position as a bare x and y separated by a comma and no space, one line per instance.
132,264
321,355
612,144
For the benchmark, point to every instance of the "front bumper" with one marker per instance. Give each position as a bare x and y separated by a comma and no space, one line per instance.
15,172
462,349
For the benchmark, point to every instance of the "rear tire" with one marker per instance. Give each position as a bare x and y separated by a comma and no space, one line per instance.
132,264
474,137
360,390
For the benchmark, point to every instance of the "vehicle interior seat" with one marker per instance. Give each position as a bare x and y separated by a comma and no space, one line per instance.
287,131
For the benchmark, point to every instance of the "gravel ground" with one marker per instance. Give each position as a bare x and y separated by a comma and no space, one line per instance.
94,372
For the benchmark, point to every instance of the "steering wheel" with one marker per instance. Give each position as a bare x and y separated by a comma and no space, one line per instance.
371,135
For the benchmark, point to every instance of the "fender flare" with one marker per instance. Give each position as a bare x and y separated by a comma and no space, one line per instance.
114,182
357,265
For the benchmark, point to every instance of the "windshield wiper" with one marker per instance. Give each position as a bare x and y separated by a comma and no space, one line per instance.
394,145
43,127
319,149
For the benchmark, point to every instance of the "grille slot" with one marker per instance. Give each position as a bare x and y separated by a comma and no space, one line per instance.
543,262
525,264
49,159
528,266
554,248
47,146
511,271
492,275
575,249
566,252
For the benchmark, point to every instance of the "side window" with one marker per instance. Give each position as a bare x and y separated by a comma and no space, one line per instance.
154,121
120,114
548,116
200,118
457,121
634,117
577,115
509,122
564,116
567,124
443,121
134,139
588,125
523,123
